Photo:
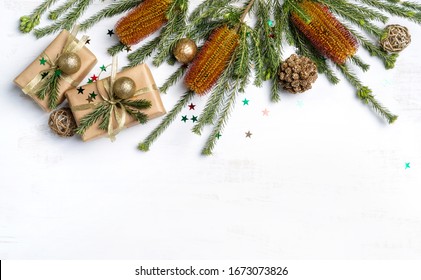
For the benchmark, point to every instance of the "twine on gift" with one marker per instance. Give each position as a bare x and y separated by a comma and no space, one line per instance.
117,110
71,46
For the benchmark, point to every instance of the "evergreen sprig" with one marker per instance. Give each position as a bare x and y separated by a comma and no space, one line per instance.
67,20
27,23
168,119
49,88
102,113
118,7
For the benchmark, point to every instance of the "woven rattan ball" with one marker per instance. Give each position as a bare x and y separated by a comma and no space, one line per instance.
297,73
62,122
395,38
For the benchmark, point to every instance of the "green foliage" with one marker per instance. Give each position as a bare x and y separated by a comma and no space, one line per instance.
103,113
258,55
49,88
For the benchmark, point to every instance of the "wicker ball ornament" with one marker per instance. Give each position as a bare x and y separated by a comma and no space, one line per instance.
185,50
69,63
62,122
297,74
396,38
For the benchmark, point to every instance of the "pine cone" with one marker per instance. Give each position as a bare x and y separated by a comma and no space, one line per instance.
297,74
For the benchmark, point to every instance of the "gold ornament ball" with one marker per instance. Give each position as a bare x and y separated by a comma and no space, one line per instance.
185,50
69,63
124,88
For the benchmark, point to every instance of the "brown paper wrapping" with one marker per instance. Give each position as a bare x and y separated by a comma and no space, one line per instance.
145,83
87,58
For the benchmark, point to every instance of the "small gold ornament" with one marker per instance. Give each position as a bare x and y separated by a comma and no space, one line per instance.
185,50
69,63
395,38
124,88
62,122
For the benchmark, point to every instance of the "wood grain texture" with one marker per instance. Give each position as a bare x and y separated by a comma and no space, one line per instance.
321,178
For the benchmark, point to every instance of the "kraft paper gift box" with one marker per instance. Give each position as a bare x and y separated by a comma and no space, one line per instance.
82,100
31,79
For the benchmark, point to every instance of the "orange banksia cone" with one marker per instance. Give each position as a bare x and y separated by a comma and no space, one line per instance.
212,60
325,32
143,20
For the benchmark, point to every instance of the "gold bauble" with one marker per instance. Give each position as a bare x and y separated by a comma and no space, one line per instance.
185,50
124,88
69,63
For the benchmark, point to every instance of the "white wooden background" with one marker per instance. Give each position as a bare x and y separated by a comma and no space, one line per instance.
322,177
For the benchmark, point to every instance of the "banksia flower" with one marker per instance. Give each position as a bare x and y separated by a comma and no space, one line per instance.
325,32
143,20
212,60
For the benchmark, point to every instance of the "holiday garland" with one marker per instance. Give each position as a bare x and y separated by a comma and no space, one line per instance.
326,33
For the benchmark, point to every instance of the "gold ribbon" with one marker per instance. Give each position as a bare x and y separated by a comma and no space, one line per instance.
71,46
119,112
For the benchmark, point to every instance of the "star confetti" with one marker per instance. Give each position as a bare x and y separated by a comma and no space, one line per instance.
43,75
110,32
57,72
42,61
88,41
246,101
218,135
103,68
265,112
128,48
191,106
89,99
80,90
184,118
93,95
90,81
407,165
94,78
194,118
248,134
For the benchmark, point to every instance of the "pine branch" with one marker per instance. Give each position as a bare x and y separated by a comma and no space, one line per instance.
67,21
27,23
177,75
119,47
222,120
138,57
142,118
242,63
364,93
56,13
168,119
139,104
100,112
105,121
395,10
358,61
111,10
53,92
